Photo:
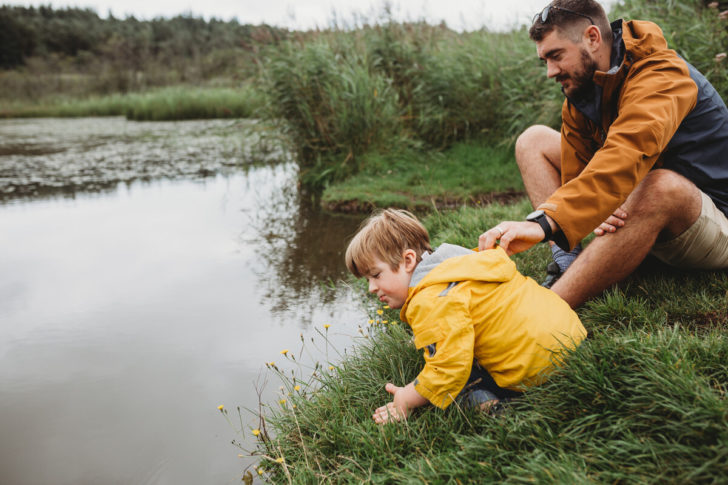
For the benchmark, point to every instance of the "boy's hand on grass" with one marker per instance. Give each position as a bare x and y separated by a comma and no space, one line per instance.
391,411
405,399
388,414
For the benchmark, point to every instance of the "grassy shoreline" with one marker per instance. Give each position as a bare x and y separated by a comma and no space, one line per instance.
420,180
422,117
642,400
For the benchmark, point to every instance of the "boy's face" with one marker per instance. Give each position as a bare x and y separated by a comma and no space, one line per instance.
392,286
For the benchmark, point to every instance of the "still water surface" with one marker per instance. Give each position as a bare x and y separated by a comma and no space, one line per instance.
127,316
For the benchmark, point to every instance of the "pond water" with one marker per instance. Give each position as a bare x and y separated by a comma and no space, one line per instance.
128,314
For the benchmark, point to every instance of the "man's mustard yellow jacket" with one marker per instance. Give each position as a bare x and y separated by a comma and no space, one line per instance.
651,109
464,304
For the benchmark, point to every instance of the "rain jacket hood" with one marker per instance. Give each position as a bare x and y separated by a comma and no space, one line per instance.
492,267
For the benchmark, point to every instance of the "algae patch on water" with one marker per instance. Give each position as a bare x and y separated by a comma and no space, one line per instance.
46,155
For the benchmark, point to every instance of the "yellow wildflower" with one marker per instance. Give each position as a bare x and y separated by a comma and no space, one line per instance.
331,367
379,312
386,307
284,351
221,407
297,388
256,432
282,401
272,364
371,321
385,321
260,471
279,460
326,326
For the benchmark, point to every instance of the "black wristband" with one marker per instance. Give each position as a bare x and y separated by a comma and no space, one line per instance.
539,217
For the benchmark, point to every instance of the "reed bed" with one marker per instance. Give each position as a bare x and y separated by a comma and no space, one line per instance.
171,103
343,93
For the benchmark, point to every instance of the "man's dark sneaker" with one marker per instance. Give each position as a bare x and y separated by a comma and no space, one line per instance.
553,273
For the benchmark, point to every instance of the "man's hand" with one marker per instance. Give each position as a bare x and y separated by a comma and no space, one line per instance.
514,236
405,399
613,222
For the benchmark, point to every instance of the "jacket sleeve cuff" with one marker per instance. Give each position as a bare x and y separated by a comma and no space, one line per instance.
559,237
428,393
560,240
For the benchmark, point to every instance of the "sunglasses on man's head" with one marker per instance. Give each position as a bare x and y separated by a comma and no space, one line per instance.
544,15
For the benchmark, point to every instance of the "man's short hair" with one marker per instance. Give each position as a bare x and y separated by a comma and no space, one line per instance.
386,235
570,18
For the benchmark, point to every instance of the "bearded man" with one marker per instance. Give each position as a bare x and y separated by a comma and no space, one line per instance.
642,157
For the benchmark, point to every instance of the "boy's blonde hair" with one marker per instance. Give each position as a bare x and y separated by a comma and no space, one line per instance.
386,235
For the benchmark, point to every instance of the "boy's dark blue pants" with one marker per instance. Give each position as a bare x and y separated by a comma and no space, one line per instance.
481,387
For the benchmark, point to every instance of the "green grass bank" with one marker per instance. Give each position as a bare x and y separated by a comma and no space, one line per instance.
471,173
642,400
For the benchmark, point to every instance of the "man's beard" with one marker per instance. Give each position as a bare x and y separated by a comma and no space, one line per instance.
582,81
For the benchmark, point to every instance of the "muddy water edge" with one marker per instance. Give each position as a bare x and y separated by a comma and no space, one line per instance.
149,270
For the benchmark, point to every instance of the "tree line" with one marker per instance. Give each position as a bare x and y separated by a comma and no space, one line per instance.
83,36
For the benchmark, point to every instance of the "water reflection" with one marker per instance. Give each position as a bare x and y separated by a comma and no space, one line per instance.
128,315
304,247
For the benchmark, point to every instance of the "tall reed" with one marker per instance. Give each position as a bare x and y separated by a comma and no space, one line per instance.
697,33
334,103
428,85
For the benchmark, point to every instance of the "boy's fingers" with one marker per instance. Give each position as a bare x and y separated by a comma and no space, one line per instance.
391,388
386,414
393,413
380,419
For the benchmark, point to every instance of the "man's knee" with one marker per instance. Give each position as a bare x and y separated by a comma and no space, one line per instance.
666,192
665,187
538,139
533,137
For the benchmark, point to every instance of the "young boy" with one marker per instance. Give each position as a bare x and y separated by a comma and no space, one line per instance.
463,307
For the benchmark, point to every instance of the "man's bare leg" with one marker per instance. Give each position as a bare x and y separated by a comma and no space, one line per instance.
663,206
538,154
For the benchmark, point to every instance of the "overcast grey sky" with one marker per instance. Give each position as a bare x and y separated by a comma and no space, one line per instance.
303,14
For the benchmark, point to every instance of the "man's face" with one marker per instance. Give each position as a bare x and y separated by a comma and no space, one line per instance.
569,63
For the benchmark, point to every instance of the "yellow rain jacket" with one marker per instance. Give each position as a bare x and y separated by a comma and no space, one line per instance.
477,305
